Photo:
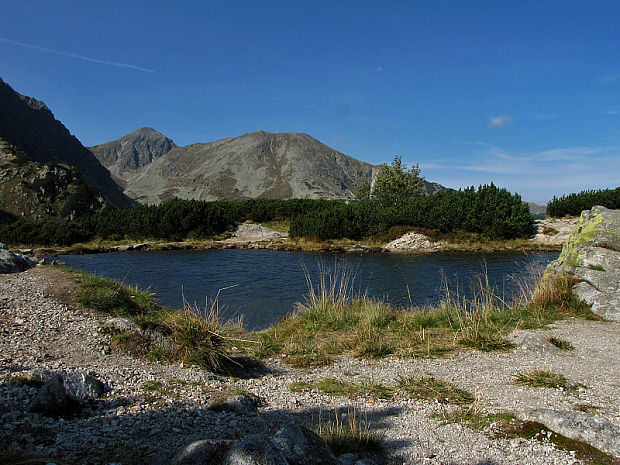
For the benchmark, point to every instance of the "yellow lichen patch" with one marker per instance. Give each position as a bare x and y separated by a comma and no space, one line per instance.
584,232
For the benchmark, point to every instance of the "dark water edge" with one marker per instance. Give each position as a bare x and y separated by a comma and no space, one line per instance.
262,286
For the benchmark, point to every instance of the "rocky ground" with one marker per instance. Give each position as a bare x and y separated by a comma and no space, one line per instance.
151,410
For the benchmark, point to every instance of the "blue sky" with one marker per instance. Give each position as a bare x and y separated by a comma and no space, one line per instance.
523,94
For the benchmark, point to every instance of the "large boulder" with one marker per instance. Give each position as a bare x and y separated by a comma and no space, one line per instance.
592,254
11,262
64,393
301,446
53,400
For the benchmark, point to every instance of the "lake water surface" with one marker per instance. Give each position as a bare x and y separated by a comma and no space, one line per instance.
267,283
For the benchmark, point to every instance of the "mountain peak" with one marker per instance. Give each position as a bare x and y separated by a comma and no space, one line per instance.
131,152
145,130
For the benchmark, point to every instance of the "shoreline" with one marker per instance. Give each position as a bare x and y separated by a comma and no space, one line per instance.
78,249
158,408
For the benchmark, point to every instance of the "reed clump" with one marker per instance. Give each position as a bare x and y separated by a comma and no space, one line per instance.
351,434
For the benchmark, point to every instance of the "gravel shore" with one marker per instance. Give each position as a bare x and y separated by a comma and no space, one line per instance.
138,421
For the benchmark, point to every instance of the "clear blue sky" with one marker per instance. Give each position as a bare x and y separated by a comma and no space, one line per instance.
525,94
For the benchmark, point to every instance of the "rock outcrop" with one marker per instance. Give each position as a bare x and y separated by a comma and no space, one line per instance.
413,242
588,428
248,232
291,445
13,263
553,231
592,254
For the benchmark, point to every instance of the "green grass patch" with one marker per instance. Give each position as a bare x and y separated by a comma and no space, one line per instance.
541,379
476,419
152,386
335,321
352,435
561,344
429,388
299,386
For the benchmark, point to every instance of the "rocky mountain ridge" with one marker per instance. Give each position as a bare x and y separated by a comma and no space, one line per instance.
258,164
37,190
152,168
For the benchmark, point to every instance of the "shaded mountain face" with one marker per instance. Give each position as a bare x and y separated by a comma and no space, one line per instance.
29,126
259,164
128,155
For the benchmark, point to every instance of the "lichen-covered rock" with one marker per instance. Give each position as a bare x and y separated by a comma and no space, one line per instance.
592,254
13,263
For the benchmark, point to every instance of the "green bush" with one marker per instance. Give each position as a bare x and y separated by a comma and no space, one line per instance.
574,204
488,210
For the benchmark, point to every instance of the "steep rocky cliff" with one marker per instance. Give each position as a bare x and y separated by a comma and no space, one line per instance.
28,126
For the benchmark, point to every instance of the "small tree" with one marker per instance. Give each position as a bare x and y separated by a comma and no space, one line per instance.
395,184
363,191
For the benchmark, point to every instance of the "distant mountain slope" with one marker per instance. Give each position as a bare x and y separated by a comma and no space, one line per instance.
128,155
258,164
28,125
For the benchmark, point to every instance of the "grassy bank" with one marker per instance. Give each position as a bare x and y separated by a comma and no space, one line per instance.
331,322
192,335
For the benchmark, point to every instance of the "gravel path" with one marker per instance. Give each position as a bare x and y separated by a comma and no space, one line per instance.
134,424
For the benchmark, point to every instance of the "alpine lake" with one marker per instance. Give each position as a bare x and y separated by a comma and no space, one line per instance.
262,286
